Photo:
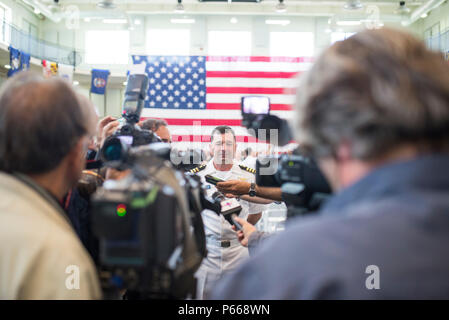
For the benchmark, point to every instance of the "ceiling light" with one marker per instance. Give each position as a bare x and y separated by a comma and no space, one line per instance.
37,11
179,7
278,22
75,83
234,20
353,5
183,21
424,15
115,21
125,83
7,66
281,7
86,19
106,4
402,9
137,22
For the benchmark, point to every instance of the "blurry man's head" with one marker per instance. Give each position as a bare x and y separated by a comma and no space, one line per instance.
45,127
223,145
376,97
159,127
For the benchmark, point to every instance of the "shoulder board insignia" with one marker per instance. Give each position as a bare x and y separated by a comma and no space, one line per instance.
198,169
253,171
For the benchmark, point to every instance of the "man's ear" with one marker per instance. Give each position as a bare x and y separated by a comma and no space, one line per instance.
77,153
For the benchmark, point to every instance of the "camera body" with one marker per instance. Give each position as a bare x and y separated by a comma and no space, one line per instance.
303,186
260,123
149,223
150,229
129,134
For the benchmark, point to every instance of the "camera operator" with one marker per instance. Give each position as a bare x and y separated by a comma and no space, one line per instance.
44,135
159,127
374,112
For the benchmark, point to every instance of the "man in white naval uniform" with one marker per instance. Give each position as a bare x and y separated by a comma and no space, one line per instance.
224,250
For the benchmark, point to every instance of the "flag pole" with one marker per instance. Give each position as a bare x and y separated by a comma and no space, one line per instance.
104,103
90,89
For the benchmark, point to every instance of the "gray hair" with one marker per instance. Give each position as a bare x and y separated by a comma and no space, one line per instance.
376,90
40,122
153,124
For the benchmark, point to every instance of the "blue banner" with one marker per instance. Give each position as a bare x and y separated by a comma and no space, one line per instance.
14,61
24,61
99,81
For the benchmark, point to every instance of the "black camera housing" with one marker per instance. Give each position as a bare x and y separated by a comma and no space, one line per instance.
303,185
266,126
115,148
150,228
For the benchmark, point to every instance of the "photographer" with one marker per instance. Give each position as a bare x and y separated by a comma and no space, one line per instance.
374,112
44,136
159,127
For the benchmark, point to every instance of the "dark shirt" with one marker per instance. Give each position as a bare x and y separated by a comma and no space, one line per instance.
395,218
78,210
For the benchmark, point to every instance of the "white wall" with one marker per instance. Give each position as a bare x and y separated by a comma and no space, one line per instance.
68,34
439,15
199,34
20,12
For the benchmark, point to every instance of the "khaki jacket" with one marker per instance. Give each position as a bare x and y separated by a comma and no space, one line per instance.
41,256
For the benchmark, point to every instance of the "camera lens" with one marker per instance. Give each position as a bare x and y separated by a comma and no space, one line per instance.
112,150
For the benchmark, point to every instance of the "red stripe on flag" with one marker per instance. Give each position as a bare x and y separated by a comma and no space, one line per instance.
250,74
206,138
259,59
200,122
236,106
249,90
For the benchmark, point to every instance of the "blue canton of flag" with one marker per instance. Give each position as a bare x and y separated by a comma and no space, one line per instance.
176,82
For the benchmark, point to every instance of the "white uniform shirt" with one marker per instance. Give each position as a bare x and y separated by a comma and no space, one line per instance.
219,259
216,226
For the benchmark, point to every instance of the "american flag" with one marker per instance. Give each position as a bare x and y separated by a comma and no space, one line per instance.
194,94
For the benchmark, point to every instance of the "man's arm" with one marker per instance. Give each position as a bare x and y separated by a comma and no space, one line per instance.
257,200
241,188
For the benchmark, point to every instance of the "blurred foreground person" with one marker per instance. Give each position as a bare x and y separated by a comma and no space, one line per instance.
374,112
44,136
